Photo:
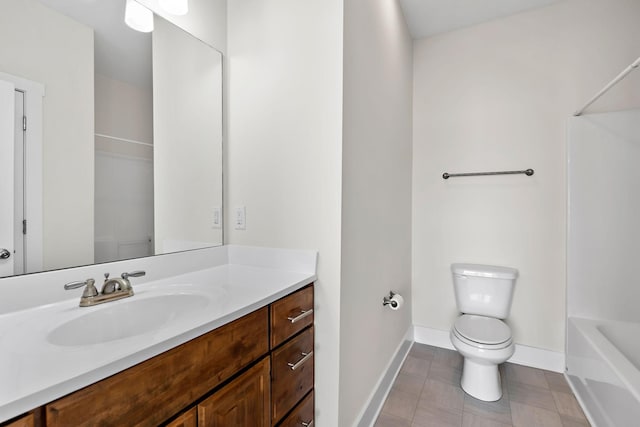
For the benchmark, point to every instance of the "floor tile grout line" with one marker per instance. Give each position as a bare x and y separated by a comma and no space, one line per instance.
448,361
555,404
415,410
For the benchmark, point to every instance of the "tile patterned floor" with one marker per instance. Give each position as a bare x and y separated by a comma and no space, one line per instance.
427,393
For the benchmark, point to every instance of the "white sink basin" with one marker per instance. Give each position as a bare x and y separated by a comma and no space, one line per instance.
125,318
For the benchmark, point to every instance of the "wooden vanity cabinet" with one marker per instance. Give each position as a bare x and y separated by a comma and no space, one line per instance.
153,391
243,402
292,373
188,419
290,315
302,415
292,344
257,371
28,420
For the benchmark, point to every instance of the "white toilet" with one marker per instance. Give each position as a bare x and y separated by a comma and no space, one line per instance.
483,295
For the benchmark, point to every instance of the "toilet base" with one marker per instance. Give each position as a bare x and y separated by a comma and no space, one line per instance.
481,380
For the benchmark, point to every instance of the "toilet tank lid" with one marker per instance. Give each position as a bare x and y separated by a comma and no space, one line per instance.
490,271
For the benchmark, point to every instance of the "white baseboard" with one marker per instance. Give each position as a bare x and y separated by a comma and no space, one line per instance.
539,358
372,408
434,337
524,355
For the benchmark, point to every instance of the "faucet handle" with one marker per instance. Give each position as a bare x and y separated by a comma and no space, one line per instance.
75,285
89,291
138,273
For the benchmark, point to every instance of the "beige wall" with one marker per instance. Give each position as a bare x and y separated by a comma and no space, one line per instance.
123,110
284,152
497,96
376,196
46,47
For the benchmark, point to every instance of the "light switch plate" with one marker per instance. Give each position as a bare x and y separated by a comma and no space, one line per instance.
217,217
240,219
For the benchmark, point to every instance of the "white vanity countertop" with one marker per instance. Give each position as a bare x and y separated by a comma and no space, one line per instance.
35,371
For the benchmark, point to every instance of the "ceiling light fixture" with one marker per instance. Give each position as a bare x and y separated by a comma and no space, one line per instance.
175,7
138,17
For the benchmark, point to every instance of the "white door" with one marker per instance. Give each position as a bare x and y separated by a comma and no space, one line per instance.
7,110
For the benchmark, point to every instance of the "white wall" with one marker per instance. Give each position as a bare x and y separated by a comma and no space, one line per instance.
123,110
283,159
376,196
604,207
46,47
497,97
206,20
124,207
187,123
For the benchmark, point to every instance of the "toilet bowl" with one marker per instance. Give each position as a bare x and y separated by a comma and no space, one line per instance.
484,345
483,296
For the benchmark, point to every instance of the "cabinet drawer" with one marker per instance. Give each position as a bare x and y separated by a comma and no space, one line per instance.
153,391
244,402
290,315
291,373
302,415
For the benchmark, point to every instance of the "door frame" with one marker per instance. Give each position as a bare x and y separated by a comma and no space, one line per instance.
34,93
7,186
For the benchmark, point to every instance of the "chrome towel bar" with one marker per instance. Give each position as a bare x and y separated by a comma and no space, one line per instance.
527,172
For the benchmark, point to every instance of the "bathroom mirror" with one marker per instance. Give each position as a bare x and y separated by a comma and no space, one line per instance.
122,154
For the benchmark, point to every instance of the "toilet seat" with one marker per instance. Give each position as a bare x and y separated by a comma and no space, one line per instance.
482,332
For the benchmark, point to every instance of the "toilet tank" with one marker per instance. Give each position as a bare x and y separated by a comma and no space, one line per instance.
484,290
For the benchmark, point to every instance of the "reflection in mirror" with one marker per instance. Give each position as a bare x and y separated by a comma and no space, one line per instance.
121,157
187,117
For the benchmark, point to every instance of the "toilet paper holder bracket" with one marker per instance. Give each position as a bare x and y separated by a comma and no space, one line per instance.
388,300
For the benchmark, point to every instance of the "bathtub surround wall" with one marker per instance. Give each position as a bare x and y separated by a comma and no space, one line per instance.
497,96
376,197
603,357
604,207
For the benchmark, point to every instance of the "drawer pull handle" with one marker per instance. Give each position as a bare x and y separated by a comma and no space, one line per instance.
307,424
302,315
296,365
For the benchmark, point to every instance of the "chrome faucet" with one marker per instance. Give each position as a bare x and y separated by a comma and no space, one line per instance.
89,292
112,289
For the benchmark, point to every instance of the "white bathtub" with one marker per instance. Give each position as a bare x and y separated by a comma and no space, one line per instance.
603,368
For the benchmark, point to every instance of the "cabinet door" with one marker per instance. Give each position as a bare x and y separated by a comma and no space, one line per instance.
188,419
244,402
26,421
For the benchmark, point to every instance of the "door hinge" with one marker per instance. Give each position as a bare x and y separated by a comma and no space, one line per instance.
24,226
24,123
